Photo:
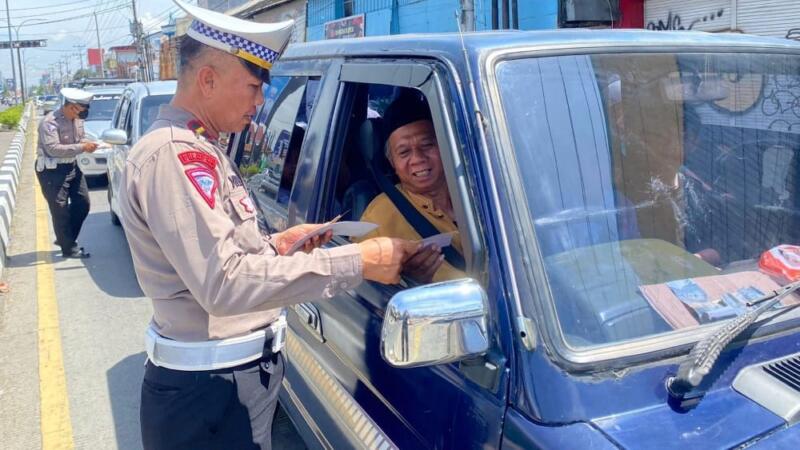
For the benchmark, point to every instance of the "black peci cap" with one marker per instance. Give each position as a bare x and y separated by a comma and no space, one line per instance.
409,107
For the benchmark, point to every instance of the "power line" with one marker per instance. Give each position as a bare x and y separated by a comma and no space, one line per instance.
65,19
49,13
65,32
73,2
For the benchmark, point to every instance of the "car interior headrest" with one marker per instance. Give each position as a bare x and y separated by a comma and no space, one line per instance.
371,143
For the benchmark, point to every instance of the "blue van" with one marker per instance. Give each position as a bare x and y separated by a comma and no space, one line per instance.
616,195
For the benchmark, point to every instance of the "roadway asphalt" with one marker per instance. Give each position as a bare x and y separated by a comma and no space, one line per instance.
101,318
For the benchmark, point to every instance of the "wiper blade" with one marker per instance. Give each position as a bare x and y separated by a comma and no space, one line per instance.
706,352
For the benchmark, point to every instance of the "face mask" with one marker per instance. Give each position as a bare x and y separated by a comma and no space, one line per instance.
83,114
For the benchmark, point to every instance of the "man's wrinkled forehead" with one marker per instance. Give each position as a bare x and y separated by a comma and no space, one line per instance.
420,129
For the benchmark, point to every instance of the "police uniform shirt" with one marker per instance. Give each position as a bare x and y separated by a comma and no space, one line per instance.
59,139
196,246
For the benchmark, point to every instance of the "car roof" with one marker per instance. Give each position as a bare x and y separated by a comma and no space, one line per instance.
165,87
449,45
105,89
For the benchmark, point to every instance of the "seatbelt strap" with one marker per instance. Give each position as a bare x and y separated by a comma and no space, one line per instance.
415,218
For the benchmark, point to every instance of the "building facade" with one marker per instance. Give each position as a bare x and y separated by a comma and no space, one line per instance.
275,11
329,19
774,18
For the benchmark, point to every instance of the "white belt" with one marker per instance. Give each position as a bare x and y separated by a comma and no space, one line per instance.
212,355
46,162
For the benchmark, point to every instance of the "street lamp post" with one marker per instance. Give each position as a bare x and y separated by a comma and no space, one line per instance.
11,49
19,59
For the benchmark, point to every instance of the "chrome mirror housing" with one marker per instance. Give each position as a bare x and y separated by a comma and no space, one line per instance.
435,324
114,136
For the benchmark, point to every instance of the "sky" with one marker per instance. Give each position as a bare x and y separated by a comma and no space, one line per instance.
65,38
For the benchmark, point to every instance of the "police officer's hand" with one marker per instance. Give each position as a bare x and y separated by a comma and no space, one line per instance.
423,265
286,239
89,147
383,258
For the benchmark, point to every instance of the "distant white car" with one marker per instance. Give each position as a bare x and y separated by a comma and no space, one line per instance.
101,110
50,103
135,112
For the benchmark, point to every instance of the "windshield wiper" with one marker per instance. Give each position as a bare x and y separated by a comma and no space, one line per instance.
706,352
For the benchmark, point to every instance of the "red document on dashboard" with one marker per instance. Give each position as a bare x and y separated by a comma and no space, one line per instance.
690,302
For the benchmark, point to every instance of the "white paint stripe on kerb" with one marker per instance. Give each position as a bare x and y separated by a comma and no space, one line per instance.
9,180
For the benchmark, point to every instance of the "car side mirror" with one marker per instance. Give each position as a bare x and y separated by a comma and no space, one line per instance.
114,136
435,324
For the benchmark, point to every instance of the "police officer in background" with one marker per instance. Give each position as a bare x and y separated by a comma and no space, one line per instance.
219,285
61,139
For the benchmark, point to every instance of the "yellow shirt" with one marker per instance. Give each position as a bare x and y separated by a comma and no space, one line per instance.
391,223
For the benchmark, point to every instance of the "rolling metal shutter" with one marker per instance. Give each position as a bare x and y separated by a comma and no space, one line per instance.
774,18
700,15
768,17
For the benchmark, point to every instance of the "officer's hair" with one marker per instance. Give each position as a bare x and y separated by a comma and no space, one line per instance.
190,49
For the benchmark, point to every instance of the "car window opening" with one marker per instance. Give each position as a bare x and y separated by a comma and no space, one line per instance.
391,145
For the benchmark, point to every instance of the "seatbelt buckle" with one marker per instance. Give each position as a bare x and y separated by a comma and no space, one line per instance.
278,333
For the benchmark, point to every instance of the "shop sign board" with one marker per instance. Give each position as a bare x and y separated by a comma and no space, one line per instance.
346,27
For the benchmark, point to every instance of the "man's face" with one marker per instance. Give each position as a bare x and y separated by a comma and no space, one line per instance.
234,101
414,155
72,110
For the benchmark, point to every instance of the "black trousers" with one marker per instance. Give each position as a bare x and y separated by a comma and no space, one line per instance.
218,409
67,197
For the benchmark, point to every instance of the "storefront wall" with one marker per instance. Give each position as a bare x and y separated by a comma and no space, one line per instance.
295,10
775,18
383,17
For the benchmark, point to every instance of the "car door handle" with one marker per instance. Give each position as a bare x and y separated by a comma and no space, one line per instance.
310,318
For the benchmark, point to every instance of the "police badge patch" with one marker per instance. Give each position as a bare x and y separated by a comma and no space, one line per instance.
205,182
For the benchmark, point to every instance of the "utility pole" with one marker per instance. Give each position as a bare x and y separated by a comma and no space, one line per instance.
100,49
468,9
66,64
11,49
21,76
137,36
80,53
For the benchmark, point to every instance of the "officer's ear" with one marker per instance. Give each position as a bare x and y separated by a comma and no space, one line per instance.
207,80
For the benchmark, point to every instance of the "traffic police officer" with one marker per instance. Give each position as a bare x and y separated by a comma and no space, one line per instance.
61,139
217,283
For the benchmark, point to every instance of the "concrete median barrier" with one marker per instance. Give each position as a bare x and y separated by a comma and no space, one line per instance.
9,181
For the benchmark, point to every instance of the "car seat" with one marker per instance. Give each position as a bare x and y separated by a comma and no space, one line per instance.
362,188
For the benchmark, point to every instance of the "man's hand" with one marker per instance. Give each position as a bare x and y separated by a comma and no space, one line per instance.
383,258
89,147
286,239
423,265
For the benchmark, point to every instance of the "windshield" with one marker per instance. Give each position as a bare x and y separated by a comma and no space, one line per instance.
149,110
102,106
664,184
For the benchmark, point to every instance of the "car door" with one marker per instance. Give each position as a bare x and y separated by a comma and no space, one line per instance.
347,394
119,152
272,144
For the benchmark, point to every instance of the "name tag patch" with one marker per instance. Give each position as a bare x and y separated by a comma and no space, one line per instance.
235,181
205,182
195,157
